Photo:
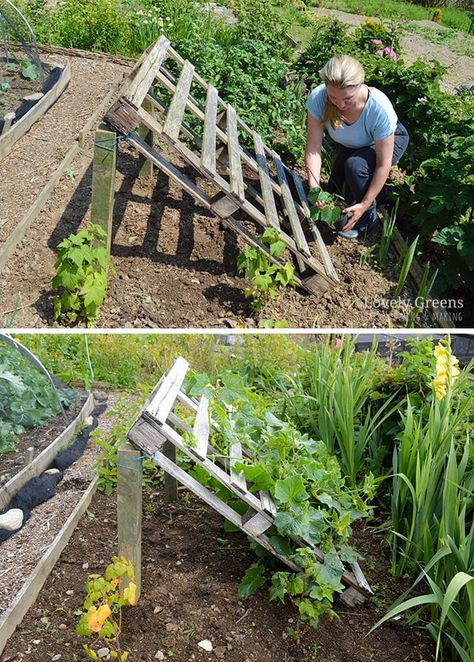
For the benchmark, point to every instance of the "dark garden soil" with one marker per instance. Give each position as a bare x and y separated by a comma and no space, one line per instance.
175,264
190,573
38,439
19,87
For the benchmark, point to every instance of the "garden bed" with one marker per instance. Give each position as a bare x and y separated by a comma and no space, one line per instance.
189,593
176,264
38,439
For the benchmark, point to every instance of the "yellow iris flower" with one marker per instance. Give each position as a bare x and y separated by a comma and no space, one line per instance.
447,369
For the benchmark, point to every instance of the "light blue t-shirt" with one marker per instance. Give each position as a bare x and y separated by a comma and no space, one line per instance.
377,120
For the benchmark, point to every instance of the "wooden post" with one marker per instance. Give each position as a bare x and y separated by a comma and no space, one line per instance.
145,166
171,485
129,509
103,180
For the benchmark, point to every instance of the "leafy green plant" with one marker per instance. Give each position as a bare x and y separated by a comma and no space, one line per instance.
29,70
266,276
388,226
101,614
27,398
81,274
425,287
406,266
324,206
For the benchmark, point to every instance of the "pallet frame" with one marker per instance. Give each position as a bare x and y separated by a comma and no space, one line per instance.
278,199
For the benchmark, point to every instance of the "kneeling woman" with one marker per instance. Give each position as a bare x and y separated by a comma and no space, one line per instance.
363,122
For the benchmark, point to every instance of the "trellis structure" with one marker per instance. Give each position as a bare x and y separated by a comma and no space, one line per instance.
158,433
250,178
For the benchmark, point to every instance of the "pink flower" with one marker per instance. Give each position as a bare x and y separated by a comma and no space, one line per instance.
376,41
379,52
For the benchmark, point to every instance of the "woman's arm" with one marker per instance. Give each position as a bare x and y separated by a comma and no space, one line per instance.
312,154
384,155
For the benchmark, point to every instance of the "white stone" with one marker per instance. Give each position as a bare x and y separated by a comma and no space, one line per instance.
206,645
12,519
88,421
159,655
51,471
103,652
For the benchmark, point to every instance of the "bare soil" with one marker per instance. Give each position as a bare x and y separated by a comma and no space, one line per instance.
190,573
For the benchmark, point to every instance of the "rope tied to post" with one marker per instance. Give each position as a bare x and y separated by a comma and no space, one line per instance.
114,140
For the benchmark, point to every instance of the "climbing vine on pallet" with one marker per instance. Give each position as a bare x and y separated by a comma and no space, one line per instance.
306,485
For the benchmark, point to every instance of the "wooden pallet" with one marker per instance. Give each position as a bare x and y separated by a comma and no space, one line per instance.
251,179
157,425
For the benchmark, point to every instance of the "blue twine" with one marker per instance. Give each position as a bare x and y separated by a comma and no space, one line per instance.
115,141
140,459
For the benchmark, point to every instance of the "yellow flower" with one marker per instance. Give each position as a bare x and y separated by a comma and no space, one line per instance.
97,617
447,369
130,593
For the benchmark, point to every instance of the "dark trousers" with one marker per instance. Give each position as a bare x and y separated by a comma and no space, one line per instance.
355,169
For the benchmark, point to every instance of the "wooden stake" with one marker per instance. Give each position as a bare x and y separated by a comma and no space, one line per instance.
103,180
171,486
145,165
129,509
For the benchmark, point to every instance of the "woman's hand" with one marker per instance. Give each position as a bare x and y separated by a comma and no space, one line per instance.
354,213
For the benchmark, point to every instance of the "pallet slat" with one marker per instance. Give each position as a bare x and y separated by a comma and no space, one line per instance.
208,153
178,103
164,400
265,182
148,71
201,428
290,208
267,503
237,479
314,230
235,165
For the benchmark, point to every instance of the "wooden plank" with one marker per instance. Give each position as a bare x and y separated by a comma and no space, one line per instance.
178,103
25,123
23,226
235,165
145,166
201,428
208,153
145,76
255,524
44,459
8,120
145,433
223,206
267,503
129,509
326,258
290,208
164,400
26,597
237,479
103,181
171,486
264,175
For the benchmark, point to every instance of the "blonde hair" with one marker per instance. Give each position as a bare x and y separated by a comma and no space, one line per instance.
341,71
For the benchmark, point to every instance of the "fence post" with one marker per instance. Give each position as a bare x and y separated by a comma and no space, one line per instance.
103,180
129,508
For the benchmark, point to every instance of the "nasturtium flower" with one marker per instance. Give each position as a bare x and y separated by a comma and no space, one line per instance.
97,617
447,369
